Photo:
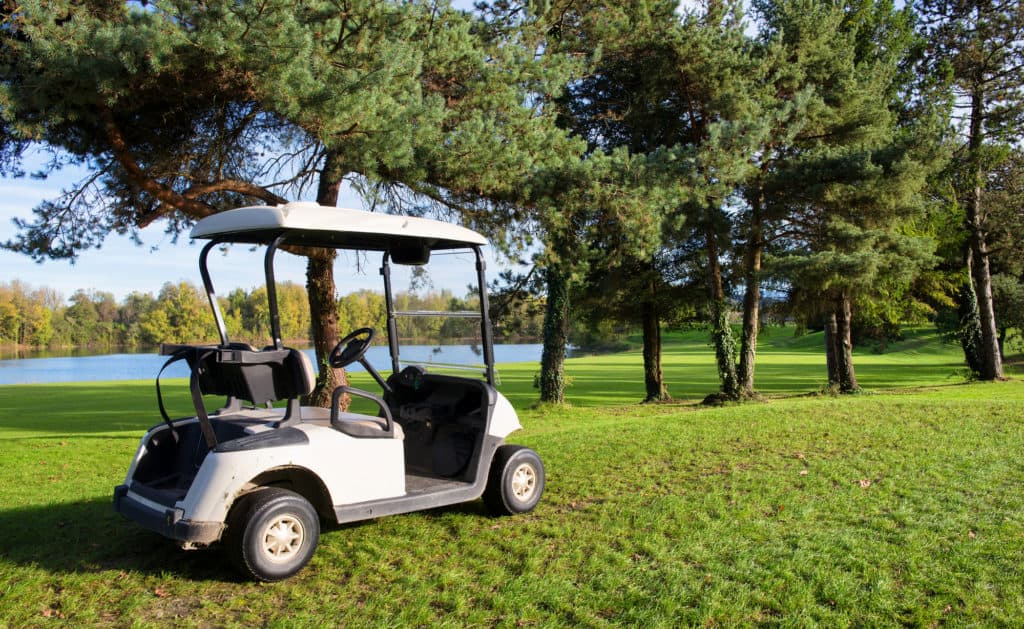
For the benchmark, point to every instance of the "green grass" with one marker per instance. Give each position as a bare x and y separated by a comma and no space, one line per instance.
902,506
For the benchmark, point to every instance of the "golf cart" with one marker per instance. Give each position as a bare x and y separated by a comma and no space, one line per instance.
259,479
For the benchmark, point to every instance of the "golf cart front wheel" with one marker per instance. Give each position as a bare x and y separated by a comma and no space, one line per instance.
516,481
272,534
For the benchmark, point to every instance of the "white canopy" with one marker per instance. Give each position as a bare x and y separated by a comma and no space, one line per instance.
316,225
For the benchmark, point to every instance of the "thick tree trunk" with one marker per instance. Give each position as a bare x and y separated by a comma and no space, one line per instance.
721,332
751,301
844,335
323,307
654,378
556,337
839,346
991,365
324,322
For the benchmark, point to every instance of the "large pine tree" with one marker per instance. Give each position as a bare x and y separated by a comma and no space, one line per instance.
180,110
978,46
853,175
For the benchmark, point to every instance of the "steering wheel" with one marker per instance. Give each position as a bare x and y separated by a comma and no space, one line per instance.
351,348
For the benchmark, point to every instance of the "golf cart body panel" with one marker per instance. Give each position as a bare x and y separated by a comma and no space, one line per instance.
434,441
504,420
350,472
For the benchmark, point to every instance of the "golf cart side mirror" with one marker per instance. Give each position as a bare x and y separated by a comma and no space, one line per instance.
413,255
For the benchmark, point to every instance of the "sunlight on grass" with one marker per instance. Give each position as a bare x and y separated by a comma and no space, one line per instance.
902,506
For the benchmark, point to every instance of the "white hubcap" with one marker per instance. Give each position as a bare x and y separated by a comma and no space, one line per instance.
524,481
282,538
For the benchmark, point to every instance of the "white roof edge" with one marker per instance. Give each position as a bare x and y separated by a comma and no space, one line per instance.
307,216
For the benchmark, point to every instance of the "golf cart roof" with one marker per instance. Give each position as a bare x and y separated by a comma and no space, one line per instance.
311,224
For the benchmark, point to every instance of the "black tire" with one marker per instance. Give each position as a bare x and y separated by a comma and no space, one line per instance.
516,481
255,550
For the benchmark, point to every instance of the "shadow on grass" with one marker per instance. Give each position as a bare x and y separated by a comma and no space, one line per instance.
473,508
89,537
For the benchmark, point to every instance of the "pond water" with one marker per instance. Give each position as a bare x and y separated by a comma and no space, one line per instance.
145,365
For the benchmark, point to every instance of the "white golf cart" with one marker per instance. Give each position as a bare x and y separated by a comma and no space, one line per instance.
260,479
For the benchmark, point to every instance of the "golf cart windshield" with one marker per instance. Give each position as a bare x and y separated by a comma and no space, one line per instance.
404,244
437,314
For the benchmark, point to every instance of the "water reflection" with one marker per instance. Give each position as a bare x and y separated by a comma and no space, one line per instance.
83,365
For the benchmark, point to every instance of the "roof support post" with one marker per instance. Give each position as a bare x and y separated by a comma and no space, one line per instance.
268,269
485,317
204,271
389,304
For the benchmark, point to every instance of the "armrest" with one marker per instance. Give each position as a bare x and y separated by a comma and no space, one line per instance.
389,430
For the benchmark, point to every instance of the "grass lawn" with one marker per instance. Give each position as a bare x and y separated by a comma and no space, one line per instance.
900,506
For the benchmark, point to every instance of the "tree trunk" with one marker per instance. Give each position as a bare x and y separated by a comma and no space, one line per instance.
323,311
751,300
556,337
721,332
323,307
839,336
654,378
991,365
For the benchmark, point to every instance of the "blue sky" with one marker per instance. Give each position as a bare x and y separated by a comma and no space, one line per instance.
121,267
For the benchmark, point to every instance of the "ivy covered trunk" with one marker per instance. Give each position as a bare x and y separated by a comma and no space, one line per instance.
969,330
654,377
831,364
751,306
556,336
721,331
990,364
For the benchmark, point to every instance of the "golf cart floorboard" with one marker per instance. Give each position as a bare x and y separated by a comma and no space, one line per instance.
421,492
416,484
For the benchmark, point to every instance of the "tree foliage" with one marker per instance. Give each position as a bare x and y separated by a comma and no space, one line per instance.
977,48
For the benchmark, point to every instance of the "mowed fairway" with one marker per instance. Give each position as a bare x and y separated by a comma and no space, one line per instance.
899,506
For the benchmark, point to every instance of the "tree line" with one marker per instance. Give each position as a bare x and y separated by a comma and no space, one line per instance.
859,161
180,313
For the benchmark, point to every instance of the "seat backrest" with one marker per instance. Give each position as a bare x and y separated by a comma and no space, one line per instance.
259,376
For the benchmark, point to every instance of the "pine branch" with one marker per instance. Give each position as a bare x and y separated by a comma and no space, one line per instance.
233,185
168,197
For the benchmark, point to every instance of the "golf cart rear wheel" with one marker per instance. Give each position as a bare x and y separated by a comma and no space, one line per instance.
516,481
272,533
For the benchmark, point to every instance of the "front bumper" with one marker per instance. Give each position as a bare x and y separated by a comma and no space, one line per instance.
167,521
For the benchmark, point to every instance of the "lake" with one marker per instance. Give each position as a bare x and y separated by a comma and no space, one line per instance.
145,365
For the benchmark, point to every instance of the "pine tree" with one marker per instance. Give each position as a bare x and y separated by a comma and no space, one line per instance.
181,110
978,46
669,90
854,174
